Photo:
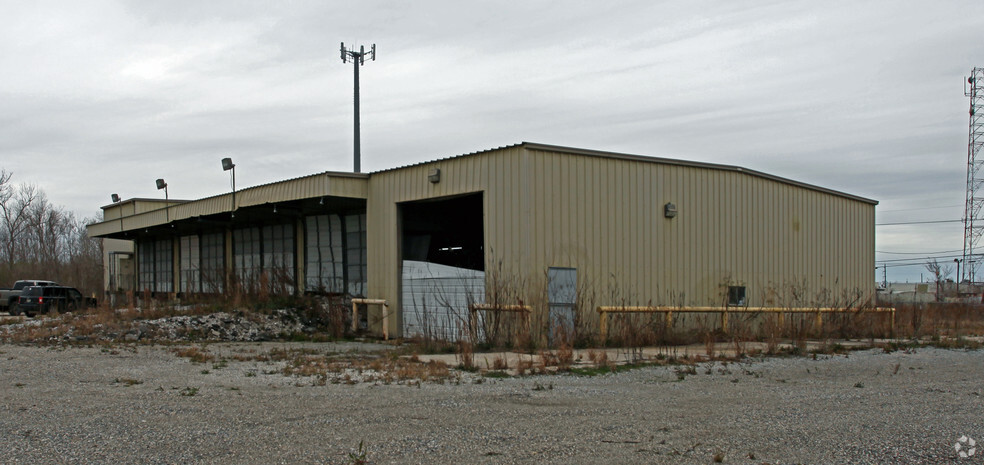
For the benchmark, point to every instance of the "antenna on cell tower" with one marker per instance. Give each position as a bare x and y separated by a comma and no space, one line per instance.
973,220
358,59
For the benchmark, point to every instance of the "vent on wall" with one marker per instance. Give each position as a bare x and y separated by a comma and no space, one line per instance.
669,210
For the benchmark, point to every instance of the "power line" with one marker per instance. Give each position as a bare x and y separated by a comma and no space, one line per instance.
923,259
921,208
918,222
919,253
901,265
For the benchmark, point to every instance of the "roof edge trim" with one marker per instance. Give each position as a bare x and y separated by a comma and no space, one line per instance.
695,164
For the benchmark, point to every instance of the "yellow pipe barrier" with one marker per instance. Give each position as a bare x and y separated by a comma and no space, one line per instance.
526,310
604,310
355,314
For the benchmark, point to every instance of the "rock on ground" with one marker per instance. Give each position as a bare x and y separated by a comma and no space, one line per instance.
142,404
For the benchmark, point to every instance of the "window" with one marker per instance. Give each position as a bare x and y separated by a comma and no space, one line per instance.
156,265
355,254
278,256
190,264
163,265
736,296
269,250
246,254
324,264
145,256
335,254
213,262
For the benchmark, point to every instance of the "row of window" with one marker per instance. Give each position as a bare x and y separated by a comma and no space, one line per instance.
335,258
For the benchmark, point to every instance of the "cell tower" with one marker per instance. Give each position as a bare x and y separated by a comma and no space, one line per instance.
358,59
973,220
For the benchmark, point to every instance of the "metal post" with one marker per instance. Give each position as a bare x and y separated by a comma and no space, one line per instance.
357,147
358,59
233,190
957,261
604,327
355,316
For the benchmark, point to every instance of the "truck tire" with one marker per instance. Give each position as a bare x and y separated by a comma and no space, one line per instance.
13,309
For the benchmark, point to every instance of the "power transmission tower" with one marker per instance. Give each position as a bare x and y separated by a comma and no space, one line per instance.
358,59
973,220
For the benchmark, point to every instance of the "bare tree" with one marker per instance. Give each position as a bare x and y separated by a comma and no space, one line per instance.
15,204
940,274
40,240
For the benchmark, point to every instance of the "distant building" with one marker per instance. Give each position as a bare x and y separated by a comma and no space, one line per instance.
558,228
919,293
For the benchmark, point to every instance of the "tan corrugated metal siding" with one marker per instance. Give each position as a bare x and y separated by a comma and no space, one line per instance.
604,216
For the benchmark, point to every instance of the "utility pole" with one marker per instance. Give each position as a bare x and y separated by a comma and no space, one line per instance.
358,59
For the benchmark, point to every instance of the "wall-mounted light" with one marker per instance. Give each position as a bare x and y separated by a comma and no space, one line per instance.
434,176
669,210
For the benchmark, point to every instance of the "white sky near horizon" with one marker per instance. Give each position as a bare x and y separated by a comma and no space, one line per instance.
101,97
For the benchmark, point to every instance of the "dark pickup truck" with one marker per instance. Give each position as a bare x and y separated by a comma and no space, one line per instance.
51,299
8,297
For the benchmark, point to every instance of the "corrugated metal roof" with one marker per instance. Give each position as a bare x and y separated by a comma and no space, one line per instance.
307,186
450,158
352,185
644,158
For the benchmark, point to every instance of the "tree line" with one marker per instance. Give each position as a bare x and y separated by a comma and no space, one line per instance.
41,240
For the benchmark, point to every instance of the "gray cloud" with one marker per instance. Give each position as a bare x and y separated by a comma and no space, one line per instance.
106,96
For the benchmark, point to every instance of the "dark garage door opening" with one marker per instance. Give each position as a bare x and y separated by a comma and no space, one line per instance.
445,231
443,267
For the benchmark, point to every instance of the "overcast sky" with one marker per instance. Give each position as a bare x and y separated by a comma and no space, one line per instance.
101,97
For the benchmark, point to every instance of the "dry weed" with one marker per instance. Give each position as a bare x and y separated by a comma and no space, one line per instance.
194,354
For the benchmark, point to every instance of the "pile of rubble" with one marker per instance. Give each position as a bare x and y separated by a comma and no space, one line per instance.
216,327
221,326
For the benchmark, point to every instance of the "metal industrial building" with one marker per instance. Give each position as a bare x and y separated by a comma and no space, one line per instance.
556,226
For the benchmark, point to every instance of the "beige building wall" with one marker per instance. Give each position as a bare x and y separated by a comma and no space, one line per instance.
118,265
603,215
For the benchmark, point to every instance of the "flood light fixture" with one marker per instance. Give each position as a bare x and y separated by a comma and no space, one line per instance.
228,165
167,204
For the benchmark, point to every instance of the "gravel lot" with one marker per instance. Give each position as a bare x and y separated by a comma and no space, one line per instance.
142,404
